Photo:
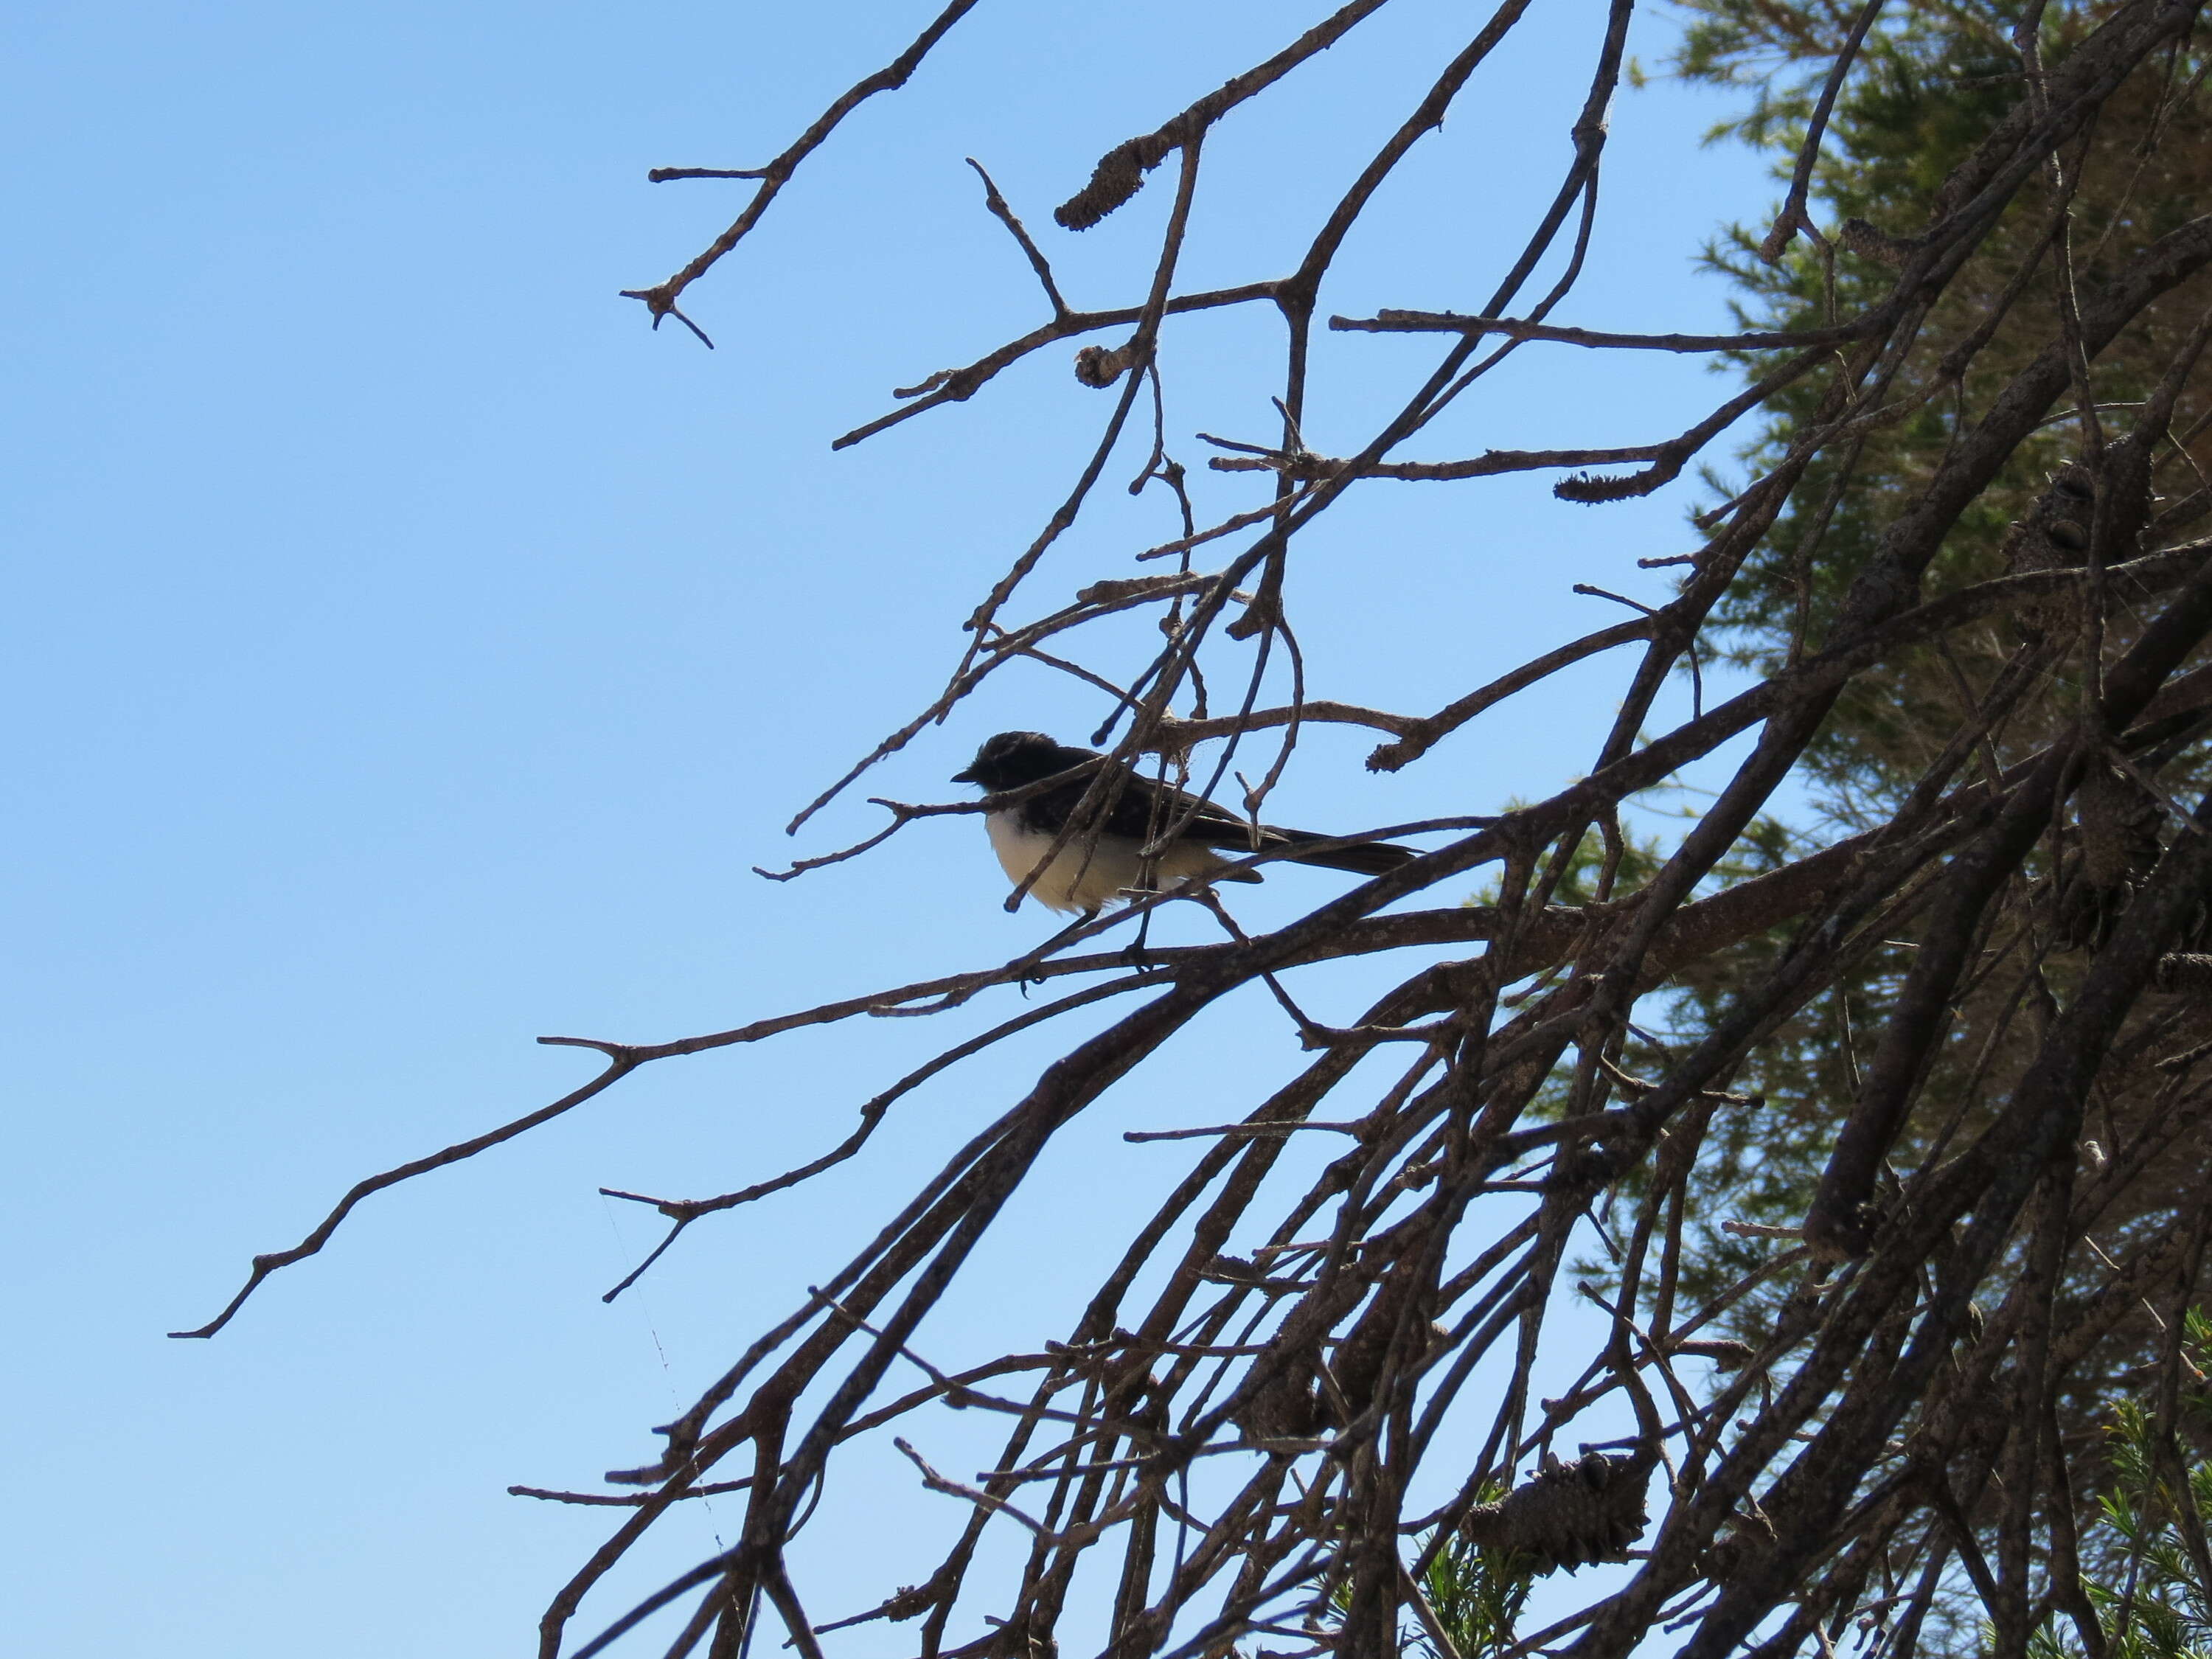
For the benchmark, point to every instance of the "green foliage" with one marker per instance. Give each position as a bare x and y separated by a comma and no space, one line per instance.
1931,81
1475,1593
1930,84
2141,1578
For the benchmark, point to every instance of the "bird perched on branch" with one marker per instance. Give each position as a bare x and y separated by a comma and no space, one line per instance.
1103,862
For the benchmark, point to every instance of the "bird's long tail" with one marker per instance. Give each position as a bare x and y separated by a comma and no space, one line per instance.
1364,858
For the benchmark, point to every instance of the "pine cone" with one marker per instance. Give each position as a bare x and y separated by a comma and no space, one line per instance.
1570,1514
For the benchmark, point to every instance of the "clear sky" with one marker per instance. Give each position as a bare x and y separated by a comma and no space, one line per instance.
410,654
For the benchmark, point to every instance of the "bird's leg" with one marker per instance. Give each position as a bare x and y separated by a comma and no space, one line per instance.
1190,888
1037,956
1134,956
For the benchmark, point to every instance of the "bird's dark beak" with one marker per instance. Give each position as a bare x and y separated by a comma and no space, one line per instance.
967,776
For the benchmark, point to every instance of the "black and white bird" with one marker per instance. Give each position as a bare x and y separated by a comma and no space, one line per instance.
1093,871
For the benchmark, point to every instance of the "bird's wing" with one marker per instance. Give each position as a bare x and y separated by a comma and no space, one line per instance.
1145,808
1213,826
1142,808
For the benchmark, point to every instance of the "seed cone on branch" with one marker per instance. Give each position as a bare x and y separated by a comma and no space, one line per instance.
1568,1514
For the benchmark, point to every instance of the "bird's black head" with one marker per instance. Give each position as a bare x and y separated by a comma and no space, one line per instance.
1014,758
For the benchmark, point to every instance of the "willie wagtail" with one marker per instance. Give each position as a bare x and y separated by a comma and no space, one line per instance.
1093,871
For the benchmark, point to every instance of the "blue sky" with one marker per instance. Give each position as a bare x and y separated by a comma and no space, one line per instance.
412,654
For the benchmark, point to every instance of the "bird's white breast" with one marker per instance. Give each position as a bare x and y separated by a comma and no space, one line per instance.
1085,877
